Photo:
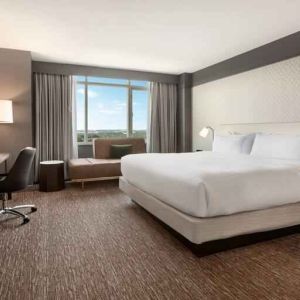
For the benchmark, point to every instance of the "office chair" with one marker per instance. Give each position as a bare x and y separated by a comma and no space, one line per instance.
17,179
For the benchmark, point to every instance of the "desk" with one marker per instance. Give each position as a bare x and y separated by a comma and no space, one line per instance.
3,159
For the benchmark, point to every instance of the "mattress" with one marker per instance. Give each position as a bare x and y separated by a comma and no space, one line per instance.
207,184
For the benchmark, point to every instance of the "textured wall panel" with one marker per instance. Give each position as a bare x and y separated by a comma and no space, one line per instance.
267,94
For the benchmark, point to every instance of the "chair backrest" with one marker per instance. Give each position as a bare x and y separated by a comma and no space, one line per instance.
19,175
101,147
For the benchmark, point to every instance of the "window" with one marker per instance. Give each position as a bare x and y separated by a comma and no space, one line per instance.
80,108
109,107
139,113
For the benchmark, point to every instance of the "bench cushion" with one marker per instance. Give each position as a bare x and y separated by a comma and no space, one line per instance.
83,168
101,147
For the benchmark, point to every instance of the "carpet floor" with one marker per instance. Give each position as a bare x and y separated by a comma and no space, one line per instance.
97,244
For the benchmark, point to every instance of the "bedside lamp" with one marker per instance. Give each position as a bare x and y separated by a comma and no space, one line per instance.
6,111
205,131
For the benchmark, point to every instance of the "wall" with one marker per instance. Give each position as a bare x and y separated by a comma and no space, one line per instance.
69,69
275,51
266,94
15,85
184,114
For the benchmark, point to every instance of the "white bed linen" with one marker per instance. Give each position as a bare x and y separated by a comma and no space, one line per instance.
233,143
279,146
207,184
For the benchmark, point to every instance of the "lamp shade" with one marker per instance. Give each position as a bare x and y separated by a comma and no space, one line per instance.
6,111
205,131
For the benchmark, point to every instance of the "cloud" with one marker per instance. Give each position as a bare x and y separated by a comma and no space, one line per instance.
112,108
80,91
119,105
108,111
100,106
92,94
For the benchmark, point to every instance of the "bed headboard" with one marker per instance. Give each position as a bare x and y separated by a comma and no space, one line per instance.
280,128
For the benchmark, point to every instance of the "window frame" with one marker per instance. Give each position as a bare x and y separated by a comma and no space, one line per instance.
129,87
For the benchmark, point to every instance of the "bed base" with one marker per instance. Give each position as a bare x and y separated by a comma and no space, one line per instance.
212,247
206,236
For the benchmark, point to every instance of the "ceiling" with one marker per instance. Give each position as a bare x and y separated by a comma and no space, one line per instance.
157,35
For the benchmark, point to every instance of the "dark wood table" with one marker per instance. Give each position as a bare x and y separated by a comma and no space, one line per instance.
52,175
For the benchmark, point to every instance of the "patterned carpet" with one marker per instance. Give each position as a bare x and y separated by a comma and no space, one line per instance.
97,244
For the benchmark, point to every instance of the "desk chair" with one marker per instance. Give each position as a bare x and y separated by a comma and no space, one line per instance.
17,179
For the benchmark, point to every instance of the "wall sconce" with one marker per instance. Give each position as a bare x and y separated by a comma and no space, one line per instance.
6,111
205,131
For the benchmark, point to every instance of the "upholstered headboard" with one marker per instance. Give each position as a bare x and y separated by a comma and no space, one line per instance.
101,147
279,128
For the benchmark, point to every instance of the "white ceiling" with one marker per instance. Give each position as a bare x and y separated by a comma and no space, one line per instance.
155,35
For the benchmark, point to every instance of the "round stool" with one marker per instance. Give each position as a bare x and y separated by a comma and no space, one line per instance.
52,175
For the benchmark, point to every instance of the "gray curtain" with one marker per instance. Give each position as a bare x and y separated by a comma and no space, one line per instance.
163,117
53,117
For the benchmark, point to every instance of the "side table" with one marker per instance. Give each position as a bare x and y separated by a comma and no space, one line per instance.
52,175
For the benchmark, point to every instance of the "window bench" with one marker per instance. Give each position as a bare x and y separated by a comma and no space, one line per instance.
102,167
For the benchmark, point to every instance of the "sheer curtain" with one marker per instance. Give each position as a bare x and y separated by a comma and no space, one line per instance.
74,121
163,117
54,117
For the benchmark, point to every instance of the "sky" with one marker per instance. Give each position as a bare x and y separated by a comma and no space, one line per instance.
107,108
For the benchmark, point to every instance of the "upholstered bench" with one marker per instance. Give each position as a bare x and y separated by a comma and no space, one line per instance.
102,167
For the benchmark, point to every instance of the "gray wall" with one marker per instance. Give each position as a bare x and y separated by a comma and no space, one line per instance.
15,85
281,49
68,69
184,114
258,86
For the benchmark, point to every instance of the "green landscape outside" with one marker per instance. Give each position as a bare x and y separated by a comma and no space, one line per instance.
108,134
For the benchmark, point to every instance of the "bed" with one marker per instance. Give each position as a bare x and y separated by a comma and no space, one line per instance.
217,201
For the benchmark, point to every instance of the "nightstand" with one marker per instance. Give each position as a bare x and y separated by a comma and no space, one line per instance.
52,176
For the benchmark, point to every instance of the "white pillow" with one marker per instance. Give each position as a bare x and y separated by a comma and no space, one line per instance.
234,143
277,146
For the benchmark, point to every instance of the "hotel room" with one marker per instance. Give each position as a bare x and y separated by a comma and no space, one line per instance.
150,150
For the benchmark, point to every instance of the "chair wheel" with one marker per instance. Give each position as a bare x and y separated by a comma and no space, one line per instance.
26,220
33,209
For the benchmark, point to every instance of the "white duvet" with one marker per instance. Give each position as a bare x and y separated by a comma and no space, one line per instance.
207,184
